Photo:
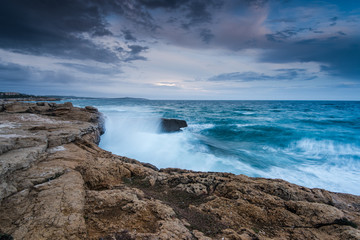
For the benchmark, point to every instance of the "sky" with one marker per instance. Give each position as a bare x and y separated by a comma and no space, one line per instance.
182,49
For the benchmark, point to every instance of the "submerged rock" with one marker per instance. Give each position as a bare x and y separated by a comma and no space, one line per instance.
56,183
172,125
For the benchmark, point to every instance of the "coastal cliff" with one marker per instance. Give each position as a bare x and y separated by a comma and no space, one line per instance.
56,183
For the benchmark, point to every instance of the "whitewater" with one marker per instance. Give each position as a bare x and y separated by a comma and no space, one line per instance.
311,143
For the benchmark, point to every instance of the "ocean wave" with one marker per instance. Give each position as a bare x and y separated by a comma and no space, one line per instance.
321,148
200,127
141,139
248,113
332,178
241,125
129,110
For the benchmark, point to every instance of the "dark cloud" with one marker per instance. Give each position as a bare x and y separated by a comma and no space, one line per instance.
282,74
283,35
333,21
257,3
341,54
18,75
13,73
128,35
194,12
64,28
302,39
134,53
53,27
132,10
206,35
198,13
136,49
169,4
45,82
68,29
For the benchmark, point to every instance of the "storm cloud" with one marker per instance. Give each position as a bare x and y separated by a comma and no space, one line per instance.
161,41
280,74
63,28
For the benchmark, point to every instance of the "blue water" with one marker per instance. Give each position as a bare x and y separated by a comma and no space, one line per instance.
311,143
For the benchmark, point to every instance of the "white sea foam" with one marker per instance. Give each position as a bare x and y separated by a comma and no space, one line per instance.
332,178
141,139
248,113
320,148
199,127
134,111
244,125
321,164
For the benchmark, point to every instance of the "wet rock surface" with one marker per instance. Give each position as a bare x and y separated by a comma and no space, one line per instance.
56,183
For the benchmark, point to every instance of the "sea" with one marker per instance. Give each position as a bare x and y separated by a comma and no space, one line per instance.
311,143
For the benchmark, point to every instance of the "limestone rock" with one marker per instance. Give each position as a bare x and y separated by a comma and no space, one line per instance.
17,107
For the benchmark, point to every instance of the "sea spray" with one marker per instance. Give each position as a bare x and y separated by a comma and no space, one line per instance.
141,138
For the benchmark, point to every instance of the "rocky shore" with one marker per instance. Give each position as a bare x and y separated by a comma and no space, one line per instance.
56,183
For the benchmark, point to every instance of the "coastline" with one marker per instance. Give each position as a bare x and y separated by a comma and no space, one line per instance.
56,183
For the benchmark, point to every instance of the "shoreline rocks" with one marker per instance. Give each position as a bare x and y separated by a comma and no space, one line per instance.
56,183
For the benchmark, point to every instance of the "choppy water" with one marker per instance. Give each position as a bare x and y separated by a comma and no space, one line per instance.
311,143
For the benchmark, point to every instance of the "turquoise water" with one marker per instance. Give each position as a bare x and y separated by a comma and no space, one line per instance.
311,143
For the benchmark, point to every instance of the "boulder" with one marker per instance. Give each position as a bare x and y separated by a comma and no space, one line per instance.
17,107
172,125
68,104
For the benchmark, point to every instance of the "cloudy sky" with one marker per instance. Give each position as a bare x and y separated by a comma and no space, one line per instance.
182,49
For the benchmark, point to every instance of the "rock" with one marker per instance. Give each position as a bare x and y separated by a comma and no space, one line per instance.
172,125
56,183
41,103
68,104
91,109
17,107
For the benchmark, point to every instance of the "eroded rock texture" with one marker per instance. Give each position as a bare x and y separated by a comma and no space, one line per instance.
56,183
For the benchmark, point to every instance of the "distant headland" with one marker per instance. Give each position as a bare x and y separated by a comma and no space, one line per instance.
16,96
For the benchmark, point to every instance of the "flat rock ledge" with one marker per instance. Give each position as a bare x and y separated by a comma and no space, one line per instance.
56,183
